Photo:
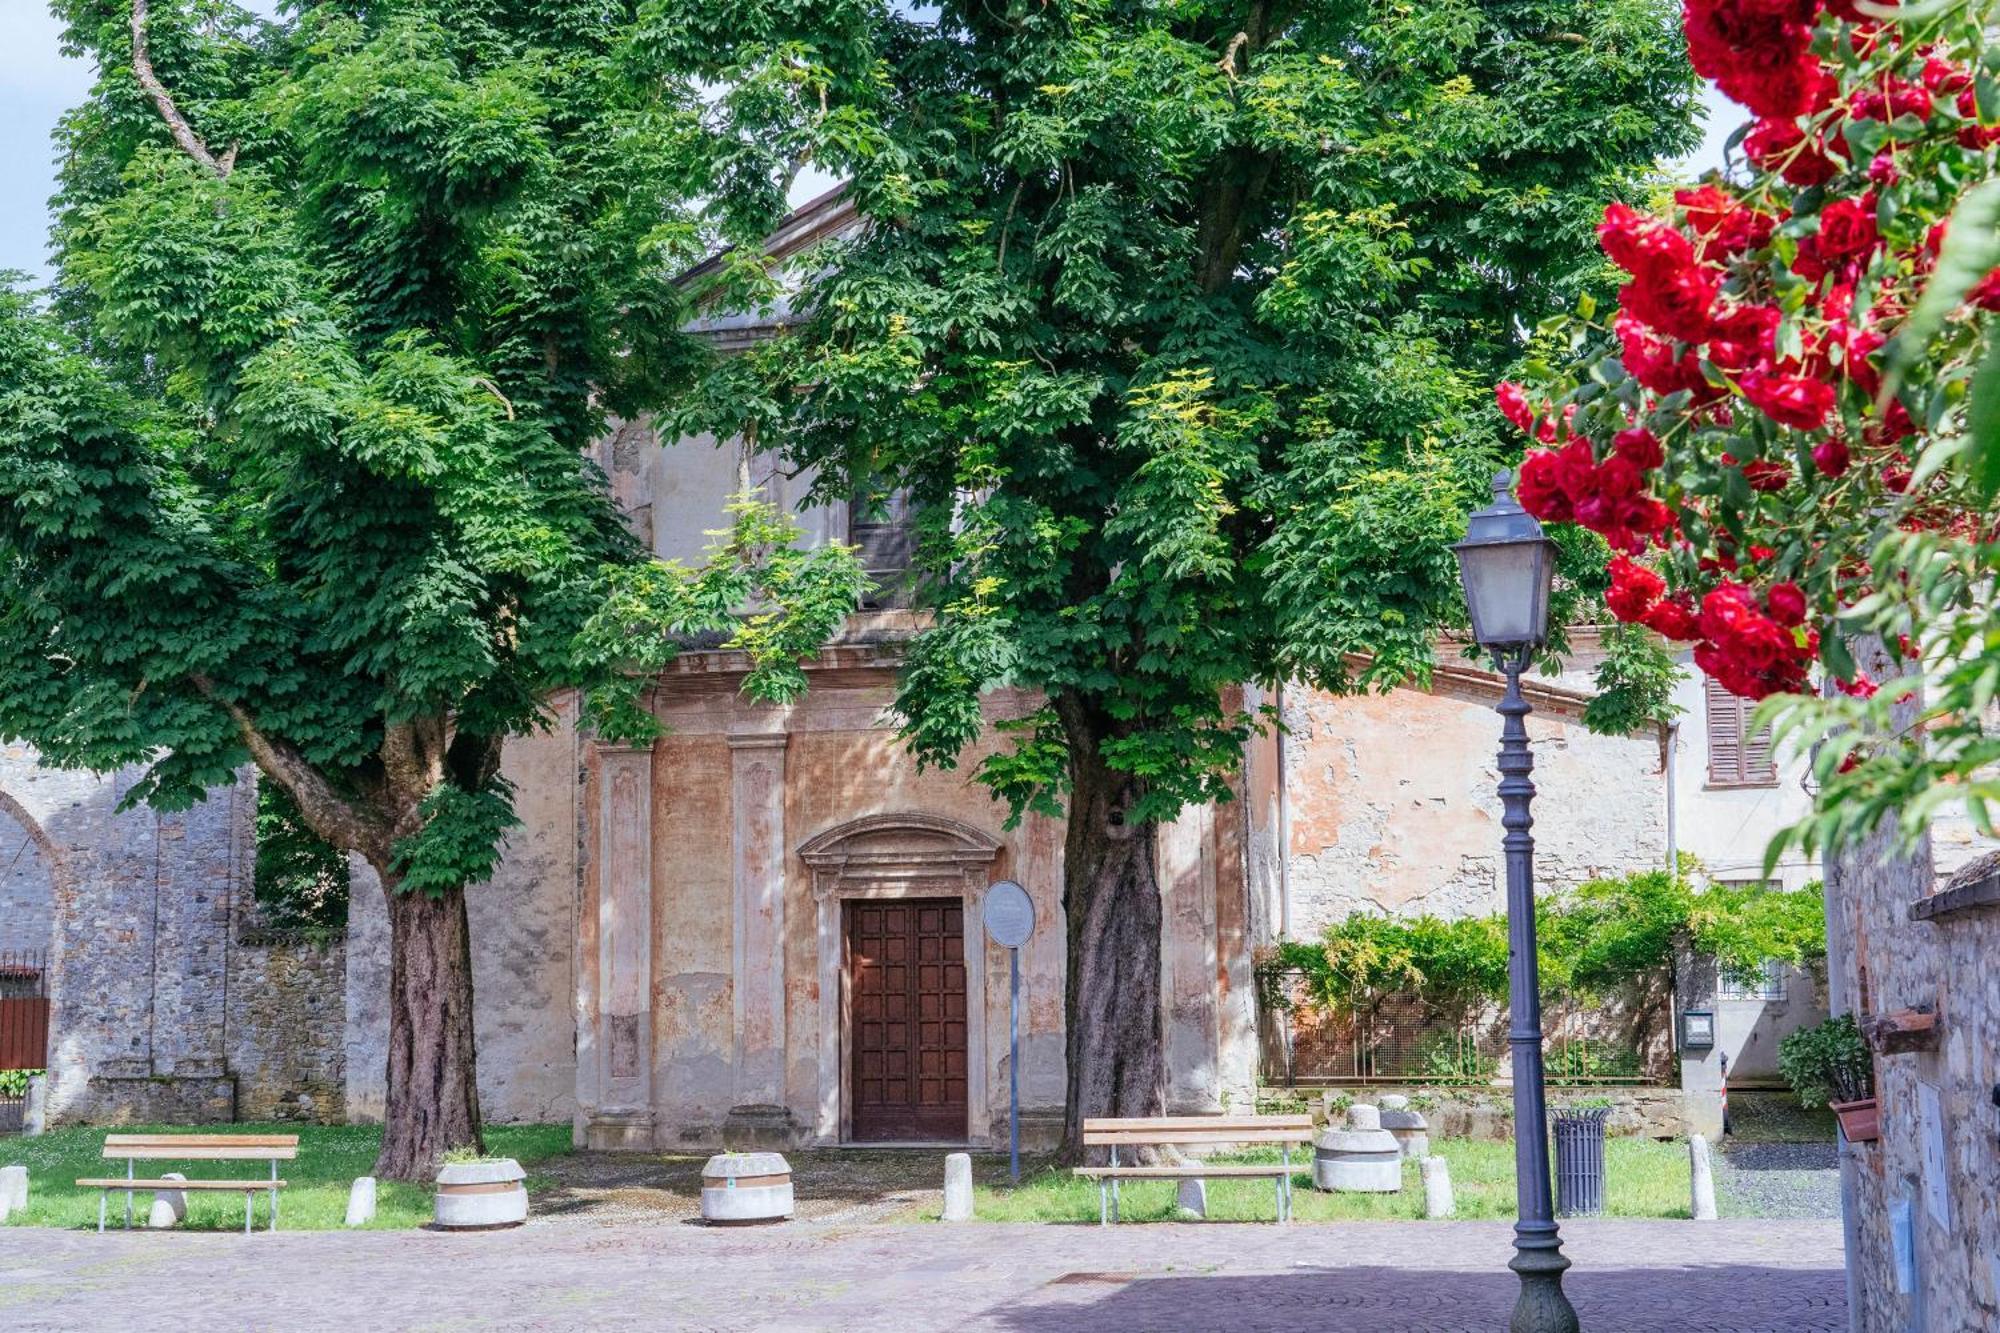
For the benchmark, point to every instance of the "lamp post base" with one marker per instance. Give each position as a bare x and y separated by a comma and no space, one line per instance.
1542,1307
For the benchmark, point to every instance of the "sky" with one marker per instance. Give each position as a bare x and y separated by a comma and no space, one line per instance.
37,84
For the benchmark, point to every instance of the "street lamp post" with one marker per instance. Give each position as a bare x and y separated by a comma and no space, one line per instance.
1506,565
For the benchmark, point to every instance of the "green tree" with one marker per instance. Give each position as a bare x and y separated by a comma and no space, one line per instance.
1176,322
295,473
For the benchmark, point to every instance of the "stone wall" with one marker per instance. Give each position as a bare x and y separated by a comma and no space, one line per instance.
164,1009
1925,1188
1488,1112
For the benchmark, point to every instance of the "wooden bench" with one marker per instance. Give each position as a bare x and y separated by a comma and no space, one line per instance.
1190,1131
134,1148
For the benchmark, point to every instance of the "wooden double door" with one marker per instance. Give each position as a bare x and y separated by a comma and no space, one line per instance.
906,1009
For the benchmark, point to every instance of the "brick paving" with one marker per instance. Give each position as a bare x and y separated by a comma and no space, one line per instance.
1370,1277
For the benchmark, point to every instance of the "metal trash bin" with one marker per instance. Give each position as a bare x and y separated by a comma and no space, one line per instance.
1580,1162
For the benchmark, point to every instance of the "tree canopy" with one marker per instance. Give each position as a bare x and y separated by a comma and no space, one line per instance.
295,467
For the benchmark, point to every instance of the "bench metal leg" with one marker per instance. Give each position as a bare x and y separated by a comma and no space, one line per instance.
274,1196
1103,1203
103,1198
249,1202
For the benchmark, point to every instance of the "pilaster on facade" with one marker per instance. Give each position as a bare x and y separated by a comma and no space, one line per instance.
622,1116
758,849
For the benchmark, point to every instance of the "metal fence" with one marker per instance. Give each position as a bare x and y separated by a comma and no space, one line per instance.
1411,1037
24,1010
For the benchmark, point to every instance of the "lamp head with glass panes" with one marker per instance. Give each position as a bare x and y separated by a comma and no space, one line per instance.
1506,565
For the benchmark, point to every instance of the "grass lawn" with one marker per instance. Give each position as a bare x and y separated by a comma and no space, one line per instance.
315,1199
1643,1178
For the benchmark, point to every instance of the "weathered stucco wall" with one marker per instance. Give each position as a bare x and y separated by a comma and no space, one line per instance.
523,925
1394,805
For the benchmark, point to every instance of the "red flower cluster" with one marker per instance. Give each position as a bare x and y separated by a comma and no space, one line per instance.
1758,52
1570,485
1747,647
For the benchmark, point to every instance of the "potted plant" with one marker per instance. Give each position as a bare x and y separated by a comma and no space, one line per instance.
1830,1065
476,1192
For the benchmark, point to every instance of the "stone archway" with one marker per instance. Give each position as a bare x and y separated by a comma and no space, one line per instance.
888,857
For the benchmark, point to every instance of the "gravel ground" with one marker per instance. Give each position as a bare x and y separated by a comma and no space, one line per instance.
1778,1180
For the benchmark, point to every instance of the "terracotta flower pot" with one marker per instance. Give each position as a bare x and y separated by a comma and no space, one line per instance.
1861,1121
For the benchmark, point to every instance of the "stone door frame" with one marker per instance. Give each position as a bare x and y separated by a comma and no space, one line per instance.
901,855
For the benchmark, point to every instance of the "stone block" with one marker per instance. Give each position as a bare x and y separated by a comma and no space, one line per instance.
1438,1201
1409,1128
13,1188
1362,1158
1191,1199
361,1201
170,1207
740,1187
1701,1180
35,1108
958,1187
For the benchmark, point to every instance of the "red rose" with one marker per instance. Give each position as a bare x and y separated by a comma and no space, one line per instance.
1514,404
1770,143
1789,400
1861,687
1641,244
1745,337
1847,229
1675,301
1787,603
1651,361
1634,589
1619,478
1671,619
1764,474
1539,488
1831,456
1890,98
1639,447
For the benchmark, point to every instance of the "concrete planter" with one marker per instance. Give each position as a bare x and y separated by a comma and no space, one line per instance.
477,1195
1360,1159
743,1188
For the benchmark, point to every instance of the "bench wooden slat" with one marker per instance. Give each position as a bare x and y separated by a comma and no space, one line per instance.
1192,1170
183,1153
162,1186
206,1140
1189,1136
1174,1122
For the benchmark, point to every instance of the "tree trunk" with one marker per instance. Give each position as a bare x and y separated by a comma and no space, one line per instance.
433,1097
1111,897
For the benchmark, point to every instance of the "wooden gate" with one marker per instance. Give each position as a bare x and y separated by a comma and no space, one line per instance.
24,1010
906,1020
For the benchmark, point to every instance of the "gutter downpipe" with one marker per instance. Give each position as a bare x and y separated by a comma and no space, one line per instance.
1284,848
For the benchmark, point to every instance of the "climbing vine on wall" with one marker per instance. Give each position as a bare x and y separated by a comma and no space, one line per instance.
1595,939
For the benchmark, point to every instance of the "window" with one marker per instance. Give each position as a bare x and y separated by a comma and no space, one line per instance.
884,536
1767,983
1737,757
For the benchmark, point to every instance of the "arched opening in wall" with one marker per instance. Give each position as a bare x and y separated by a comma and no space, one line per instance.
28,869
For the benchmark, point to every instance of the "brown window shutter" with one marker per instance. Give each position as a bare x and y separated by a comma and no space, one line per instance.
1725,734
1737,757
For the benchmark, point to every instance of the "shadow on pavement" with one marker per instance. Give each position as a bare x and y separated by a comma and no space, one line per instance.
1391,1300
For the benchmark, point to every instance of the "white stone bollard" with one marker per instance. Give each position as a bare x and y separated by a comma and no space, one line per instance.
1409,1128
1701,1179
1192,1197
361,1201
13,1188
1438,1201
35,1109
958,1187
170,1207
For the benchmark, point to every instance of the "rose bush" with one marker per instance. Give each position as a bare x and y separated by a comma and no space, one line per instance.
1785,428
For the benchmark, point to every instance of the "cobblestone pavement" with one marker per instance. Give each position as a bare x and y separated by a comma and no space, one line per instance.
1370,1277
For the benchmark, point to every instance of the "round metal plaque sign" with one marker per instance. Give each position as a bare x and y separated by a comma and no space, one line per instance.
1009,914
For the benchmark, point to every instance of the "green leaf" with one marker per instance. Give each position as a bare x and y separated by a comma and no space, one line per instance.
1970,251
